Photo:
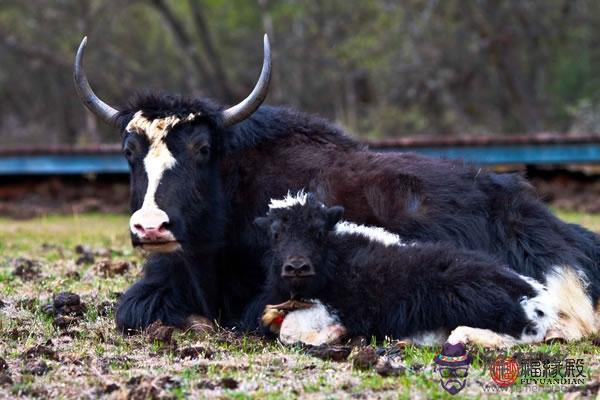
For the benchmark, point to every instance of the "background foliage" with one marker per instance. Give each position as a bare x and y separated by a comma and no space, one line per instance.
381,68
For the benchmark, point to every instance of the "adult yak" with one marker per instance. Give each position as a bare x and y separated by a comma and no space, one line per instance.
201,173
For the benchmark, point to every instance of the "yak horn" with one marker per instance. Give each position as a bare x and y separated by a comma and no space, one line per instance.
99,108
246,107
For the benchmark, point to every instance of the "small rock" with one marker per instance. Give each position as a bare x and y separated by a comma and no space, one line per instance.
365,358
229,383
159,332
145,390
109,268
86,255
35,367
73,275
41,350
330,352
64,321
66,303
25,269
5,379
110,387
194,352
206,384
3,365
385,368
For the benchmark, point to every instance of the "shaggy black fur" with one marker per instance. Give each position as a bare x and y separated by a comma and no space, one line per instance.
213,197
394,291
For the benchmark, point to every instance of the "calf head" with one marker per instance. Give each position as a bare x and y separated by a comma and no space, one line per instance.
173,146
299,229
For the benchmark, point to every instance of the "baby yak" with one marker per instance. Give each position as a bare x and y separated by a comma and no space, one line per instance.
361,280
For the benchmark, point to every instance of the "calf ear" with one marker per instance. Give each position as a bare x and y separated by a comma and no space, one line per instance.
334,214
263,223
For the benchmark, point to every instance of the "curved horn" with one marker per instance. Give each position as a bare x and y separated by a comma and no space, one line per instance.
99,108
246,107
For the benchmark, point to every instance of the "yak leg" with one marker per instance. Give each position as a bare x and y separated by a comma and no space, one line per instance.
481,337
167,292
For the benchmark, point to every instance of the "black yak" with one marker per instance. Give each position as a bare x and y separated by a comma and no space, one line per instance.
365,281
201,173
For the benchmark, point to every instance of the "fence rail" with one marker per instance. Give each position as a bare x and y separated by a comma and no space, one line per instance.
540,149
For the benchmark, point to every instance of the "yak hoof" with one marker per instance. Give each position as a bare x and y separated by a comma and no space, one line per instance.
200,324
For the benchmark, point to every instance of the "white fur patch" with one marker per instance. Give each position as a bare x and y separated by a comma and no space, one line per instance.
289,200
159,158
315,326
373,233
567,286
541,309
481,337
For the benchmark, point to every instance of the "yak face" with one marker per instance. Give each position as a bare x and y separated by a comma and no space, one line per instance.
175,188
170,145
299,229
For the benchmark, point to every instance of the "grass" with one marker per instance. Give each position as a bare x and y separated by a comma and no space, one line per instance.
92,360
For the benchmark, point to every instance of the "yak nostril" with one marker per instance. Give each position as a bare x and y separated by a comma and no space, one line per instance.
139,228
304,268
289,269
162,227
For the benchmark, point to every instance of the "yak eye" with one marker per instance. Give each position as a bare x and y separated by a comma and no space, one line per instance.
204,150
129,153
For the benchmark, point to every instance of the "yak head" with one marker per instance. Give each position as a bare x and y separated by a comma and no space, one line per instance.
299,229
173,146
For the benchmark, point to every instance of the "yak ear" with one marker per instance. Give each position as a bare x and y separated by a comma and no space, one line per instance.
263,223
334,214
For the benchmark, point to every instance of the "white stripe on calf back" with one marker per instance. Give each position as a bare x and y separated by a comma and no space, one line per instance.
373,233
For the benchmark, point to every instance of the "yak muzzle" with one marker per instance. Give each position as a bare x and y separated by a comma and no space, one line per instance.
297,267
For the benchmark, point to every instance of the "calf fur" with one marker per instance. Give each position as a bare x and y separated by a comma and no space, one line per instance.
379,286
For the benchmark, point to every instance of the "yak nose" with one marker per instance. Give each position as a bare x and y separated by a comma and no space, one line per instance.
150,225
297,267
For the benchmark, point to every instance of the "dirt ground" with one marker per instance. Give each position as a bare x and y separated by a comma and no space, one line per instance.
61,276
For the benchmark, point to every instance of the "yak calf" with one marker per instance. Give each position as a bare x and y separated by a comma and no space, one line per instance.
362,280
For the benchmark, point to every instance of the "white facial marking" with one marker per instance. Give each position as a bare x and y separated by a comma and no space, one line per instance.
315,326
289,200
159,158
374,233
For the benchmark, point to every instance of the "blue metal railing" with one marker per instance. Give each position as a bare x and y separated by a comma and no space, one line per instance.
510,150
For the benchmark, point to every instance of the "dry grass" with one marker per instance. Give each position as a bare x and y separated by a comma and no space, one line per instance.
88,359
